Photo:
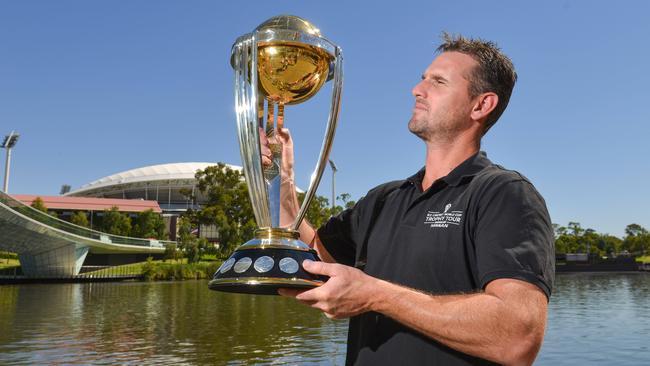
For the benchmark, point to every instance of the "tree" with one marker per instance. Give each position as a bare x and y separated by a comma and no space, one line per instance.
79,218
116,223
576,229
318,211
609,244
637,239
39,204
149,224
635,230
227,207
171,252
192,252
347,200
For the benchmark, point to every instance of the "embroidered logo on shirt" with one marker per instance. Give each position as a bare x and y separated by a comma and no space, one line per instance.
443,219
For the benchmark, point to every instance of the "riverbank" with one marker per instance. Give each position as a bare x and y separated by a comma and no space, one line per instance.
155,270
151,270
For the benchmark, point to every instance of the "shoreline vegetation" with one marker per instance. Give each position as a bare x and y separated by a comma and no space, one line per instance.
151,270
165,270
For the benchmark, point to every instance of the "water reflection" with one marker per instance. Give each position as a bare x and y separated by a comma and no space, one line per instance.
598,319
160,323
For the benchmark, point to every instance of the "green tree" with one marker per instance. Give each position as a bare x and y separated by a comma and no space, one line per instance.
347,200
171,252
609,245
570,239
149,224
637,239
575,229
318,212
39,204
116,223
192,252
189,244
635,230
79,218
227,207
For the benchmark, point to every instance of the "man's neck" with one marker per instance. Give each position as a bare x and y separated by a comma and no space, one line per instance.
442,158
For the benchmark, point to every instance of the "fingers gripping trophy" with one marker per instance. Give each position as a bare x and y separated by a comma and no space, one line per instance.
284,61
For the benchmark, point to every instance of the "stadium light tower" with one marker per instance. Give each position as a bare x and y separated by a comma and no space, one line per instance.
334,170
8,143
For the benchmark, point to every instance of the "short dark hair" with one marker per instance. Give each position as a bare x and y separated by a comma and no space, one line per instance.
494,73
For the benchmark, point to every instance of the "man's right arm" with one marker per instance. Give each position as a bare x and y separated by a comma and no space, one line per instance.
289,203
310,236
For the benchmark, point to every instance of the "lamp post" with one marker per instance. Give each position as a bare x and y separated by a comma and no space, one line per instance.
8,143
334,170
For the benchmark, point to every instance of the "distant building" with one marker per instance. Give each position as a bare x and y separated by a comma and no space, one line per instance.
162,183
64,207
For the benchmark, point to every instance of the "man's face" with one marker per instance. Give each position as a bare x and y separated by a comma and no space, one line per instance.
442,101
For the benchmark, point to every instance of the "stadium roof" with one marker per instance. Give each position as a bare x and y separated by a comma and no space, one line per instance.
161,172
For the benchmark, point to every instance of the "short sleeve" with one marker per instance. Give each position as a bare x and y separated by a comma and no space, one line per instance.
338,236
514,236
344,233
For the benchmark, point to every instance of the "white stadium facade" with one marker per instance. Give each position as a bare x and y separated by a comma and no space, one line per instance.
163,183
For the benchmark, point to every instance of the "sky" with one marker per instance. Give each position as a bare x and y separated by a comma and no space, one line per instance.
100,87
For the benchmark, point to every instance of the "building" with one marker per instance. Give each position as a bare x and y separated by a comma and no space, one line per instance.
163,183
64,207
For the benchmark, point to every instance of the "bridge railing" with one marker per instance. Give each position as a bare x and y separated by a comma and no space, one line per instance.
68,227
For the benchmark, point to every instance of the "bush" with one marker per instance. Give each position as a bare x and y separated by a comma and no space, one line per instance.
178,271
8,255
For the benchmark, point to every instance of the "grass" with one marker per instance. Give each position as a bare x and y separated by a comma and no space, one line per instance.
9,263
643,259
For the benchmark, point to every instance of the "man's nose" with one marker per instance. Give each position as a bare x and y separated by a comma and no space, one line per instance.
418,90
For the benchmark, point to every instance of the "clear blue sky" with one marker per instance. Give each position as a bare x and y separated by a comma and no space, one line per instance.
99,87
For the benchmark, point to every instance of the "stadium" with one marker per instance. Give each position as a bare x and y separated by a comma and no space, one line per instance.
163,183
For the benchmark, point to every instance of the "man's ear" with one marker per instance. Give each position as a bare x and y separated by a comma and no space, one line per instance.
485,104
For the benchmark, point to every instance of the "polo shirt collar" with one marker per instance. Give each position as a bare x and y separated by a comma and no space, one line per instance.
468,168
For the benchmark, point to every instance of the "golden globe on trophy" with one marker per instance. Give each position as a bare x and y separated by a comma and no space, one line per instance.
284,61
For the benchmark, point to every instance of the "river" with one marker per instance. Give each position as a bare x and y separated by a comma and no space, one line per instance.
595,319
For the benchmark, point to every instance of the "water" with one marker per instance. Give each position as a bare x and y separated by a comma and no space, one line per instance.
595,319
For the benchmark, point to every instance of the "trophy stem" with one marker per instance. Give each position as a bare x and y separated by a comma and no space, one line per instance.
280,123
273,172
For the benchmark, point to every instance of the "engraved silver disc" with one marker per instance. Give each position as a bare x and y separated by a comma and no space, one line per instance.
227,265
263,264
288,265
243,264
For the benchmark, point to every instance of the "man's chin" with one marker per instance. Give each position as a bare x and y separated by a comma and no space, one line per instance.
417,131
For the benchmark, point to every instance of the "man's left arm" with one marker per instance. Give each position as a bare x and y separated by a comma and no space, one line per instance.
504,323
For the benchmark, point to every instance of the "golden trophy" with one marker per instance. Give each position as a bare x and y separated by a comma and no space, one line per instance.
284,61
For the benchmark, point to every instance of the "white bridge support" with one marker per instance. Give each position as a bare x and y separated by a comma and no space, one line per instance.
65,261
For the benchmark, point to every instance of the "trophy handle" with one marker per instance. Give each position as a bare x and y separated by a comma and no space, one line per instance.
246,107
328,139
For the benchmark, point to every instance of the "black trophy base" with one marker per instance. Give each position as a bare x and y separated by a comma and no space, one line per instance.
261,270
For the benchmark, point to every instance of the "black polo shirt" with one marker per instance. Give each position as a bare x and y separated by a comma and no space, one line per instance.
479,223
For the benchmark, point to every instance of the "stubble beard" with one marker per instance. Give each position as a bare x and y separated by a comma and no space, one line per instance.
439,129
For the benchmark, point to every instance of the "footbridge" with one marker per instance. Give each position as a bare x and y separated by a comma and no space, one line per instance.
53,248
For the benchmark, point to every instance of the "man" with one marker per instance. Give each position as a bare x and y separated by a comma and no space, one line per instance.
456,263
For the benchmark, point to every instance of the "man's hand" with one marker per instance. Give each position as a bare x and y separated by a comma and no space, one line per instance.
348,292
283,138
